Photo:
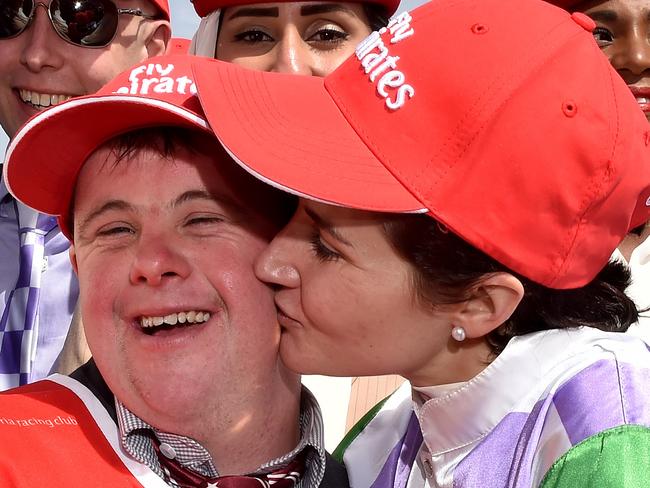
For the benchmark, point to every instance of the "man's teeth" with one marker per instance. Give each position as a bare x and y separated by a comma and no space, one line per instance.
641,100
42,99
191,317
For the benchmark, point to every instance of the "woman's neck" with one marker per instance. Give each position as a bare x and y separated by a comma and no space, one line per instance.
461,361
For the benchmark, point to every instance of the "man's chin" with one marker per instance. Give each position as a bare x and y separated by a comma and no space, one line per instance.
158,399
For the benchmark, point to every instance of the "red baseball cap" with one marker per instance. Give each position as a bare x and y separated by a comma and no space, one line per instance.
178,45
163,6
204,7
41,171
499,118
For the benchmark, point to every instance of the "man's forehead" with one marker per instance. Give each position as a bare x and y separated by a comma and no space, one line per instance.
181,176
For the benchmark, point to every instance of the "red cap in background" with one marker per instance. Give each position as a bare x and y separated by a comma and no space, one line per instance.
163,6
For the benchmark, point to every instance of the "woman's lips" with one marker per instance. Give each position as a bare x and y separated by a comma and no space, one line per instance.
642,96
284,319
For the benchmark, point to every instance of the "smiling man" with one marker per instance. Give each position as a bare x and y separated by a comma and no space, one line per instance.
50,52
185,388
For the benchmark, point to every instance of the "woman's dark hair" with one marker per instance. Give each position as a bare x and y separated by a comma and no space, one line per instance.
376,14
446,268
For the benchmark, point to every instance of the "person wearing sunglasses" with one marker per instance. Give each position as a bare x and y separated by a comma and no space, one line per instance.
51,51
469,173
623,33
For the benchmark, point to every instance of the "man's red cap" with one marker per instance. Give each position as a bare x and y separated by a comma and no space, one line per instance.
499,118
163,6
46,155
204,7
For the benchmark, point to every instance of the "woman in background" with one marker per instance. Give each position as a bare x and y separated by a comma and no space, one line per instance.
304,38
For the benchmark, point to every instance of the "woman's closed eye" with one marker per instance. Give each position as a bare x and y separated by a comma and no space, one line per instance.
322,251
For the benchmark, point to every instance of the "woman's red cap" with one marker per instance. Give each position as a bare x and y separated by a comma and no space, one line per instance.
204,7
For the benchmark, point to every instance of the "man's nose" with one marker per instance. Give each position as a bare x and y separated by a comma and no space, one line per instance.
157,260
42,47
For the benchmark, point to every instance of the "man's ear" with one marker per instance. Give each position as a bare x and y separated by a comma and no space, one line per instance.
493,300
73,259
157,37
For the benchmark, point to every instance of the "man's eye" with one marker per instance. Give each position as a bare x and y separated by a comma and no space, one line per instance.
114,230
329,35
253,36
204,220
603,36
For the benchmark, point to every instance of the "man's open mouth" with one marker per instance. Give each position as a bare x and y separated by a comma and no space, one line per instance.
152,324
42,100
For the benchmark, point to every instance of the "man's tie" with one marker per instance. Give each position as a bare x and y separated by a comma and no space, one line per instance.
19,322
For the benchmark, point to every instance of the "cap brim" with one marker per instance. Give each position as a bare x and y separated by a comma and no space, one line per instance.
44,159
287,131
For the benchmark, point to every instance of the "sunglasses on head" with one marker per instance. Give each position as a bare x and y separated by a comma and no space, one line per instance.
85,23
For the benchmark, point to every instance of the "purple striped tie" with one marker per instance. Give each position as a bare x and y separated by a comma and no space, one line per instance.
19,323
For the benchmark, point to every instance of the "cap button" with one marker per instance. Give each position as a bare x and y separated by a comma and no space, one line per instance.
584,21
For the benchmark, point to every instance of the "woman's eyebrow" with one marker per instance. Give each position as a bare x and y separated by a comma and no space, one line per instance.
326,226
255,12
324,8
604,15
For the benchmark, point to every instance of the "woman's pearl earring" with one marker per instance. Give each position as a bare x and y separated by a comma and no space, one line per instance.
458,333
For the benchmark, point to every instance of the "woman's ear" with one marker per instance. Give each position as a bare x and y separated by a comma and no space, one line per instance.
493,300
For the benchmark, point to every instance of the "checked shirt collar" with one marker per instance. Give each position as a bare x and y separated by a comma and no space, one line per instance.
135,436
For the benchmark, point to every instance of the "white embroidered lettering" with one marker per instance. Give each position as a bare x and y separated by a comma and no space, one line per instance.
402,92
133,78
371,60
183,82
391,62
166,85
164,71
400,27
392,79
368,44
379,65
146,83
